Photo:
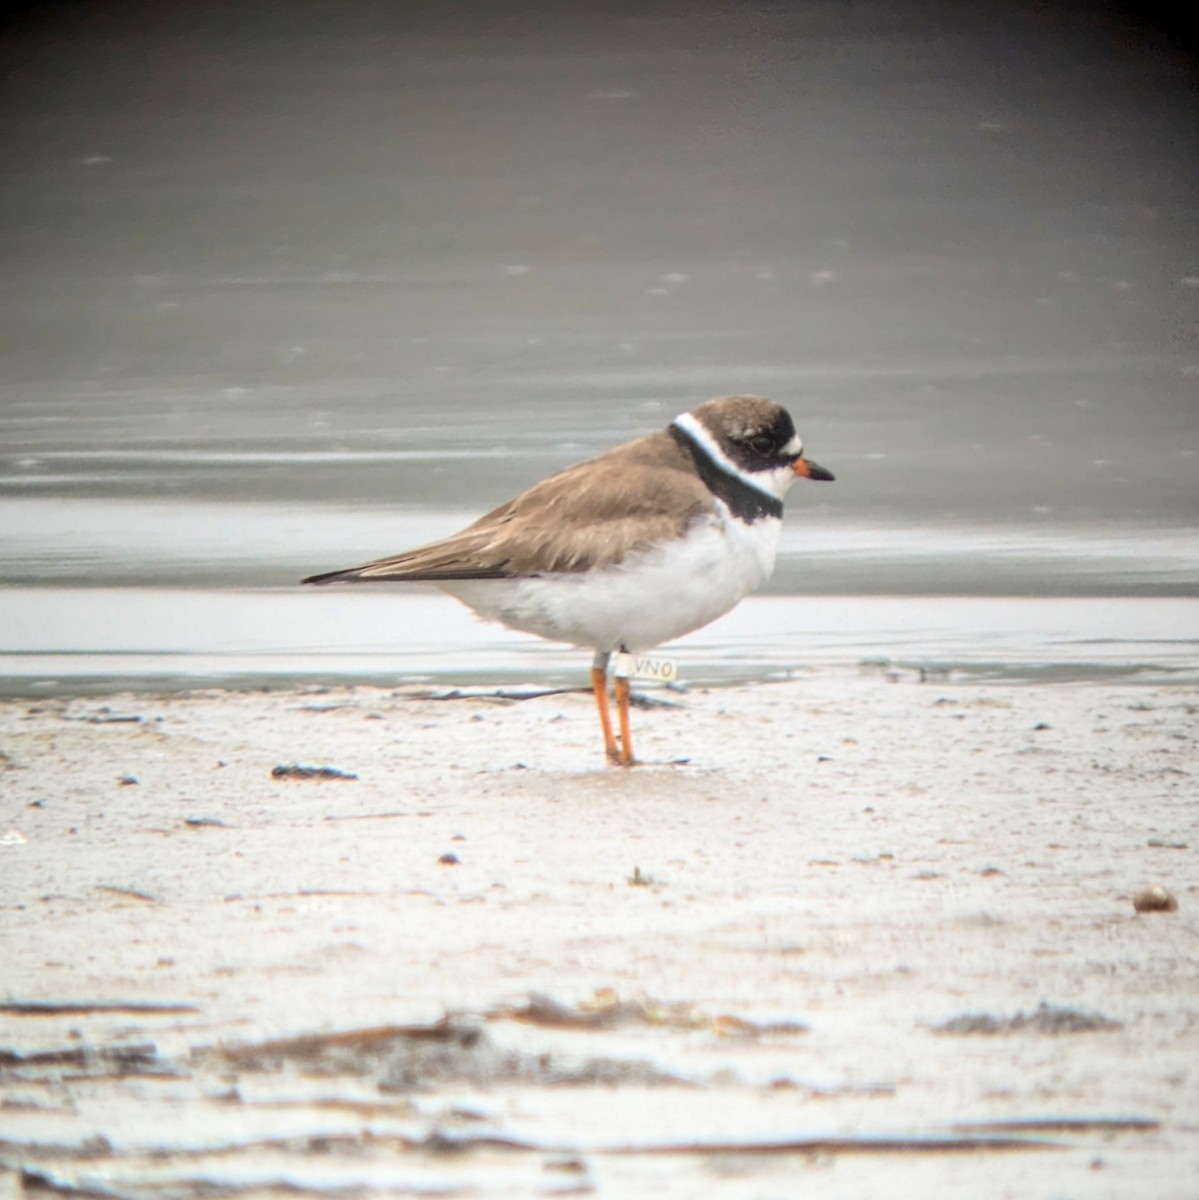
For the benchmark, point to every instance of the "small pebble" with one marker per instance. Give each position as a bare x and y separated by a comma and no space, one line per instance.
1154,898
449,859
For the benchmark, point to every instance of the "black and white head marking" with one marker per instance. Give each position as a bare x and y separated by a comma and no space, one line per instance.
747,465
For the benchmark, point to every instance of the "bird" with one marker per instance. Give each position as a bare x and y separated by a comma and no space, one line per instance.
641,545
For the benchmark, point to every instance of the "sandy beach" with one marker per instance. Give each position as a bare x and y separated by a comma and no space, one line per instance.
873,936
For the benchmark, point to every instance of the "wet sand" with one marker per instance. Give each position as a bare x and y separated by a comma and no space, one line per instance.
876,936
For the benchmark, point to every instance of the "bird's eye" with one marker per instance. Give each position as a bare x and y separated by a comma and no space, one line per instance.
763,444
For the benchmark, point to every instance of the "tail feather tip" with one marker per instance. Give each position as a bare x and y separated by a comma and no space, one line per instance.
329,577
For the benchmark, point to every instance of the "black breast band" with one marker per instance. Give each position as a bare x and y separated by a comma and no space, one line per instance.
745,502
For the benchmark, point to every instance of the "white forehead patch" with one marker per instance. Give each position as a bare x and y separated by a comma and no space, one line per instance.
794,447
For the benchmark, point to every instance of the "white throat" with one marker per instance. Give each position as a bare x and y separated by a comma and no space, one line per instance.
774,482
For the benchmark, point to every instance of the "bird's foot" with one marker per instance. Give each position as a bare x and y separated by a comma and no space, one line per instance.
650,762
618,758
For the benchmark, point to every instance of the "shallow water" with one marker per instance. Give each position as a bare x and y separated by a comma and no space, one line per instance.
285,297
69,641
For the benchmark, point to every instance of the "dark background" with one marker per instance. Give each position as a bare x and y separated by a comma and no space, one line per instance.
411,257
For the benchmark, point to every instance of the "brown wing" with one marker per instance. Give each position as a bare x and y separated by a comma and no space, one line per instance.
590,515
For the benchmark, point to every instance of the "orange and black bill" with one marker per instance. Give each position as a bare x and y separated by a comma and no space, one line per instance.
810,470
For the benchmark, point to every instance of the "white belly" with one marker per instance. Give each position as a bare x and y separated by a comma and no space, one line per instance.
648,599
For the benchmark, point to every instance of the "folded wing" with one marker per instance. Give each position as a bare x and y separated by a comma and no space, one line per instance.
589,516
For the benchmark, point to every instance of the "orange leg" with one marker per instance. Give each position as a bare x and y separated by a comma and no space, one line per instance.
621,688
599,685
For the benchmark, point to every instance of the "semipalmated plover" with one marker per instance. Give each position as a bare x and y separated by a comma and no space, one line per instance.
648,542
